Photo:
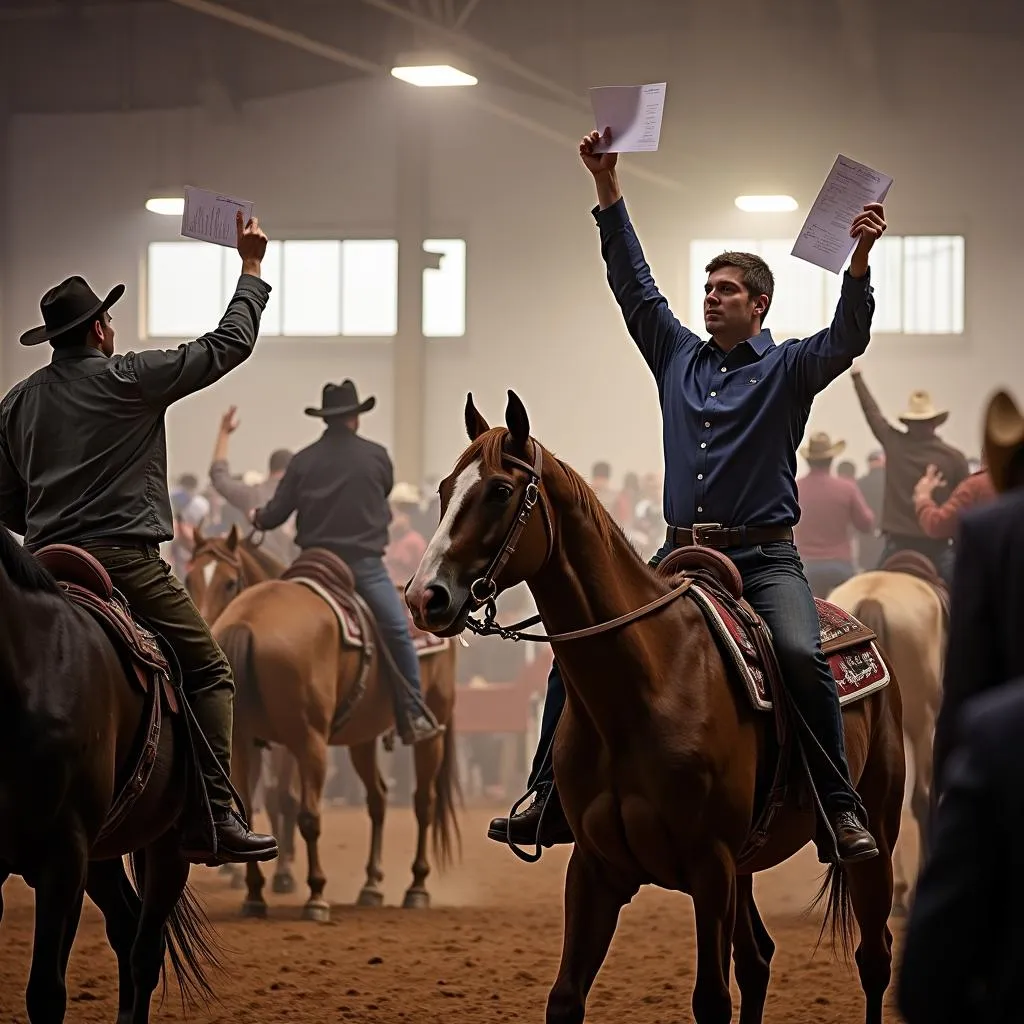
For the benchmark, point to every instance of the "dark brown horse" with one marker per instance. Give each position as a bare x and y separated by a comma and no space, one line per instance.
70,724
656,755
292,674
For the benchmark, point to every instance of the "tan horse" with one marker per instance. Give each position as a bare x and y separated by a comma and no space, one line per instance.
219,570
657,752
292,673
907,615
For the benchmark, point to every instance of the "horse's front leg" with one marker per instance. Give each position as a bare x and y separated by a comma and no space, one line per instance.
592,905
713,886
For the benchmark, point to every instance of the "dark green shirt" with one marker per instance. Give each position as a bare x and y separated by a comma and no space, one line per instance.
83,447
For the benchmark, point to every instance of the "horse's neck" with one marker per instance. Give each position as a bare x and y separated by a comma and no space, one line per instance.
256,568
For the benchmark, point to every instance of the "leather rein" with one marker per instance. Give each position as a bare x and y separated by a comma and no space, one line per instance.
484,590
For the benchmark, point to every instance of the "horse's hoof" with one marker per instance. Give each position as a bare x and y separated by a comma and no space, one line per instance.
370,897
283,884
254,908
317,910
416,899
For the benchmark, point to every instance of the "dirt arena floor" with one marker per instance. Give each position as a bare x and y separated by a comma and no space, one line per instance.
487,952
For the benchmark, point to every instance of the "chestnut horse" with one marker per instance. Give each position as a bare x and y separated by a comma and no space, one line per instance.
70,724
219,570
908,617
292,673
656,755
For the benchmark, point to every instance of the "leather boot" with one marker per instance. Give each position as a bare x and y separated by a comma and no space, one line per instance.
528,826
419,727
238,845
853,841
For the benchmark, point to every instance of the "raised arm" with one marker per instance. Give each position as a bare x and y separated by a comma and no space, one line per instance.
816,361
650,322
941,521
167,375
237,494
879,425
282,504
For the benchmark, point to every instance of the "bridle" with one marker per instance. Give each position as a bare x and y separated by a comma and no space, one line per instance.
484,591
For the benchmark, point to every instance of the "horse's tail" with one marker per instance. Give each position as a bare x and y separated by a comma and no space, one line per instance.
191,944
835,894
870,612
236,643
447,837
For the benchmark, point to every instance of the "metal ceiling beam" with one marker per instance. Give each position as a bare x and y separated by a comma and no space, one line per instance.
463,16
339,56
485,52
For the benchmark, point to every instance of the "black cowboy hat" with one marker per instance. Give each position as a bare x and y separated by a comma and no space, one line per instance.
70,304
341,400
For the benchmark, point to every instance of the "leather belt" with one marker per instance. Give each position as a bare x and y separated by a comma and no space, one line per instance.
714,535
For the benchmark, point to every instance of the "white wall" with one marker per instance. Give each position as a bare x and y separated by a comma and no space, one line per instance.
540,319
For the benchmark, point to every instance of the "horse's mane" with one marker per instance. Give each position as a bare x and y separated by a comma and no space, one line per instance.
22,569
489,448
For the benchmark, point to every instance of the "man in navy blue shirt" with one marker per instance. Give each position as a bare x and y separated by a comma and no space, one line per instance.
734,410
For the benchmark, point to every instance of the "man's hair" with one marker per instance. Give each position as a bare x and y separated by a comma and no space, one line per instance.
76,337
757,276
600,470
279,460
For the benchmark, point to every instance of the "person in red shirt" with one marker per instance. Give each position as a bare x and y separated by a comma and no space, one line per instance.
406,544
941,522
831,507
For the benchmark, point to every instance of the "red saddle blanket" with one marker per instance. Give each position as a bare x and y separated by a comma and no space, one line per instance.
352,631
849,646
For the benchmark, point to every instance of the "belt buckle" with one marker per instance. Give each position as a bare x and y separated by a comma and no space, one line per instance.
698,528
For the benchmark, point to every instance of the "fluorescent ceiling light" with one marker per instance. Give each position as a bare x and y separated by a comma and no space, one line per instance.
433,75
168,206
766,204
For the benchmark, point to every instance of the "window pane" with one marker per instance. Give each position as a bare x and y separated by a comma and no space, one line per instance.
184,289
270,271
702,251
798,305
933,298
887,281
311,288
369,287
444,290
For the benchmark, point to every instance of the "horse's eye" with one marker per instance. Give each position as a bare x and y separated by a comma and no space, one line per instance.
503,493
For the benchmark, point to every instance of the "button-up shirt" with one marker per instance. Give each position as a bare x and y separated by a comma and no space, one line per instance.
83,449
732,420
831,509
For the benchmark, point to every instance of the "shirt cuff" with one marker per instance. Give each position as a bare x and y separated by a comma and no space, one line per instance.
219,466
253,287
615,216
855,286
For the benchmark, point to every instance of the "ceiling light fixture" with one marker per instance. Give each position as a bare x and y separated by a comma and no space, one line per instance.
166,206
766,204
432,76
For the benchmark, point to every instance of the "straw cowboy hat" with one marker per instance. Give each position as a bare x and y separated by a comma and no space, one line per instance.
68,305
821,447
341,400
1004,437
920,409
404,494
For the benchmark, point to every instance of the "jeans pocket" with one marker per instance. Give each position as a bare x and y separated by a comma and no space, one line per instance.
779,551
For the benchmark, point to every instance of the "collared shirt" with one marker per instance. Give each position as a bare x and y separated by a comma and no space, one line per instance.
906,460
831,509
83,449
941,522
732,421
339,488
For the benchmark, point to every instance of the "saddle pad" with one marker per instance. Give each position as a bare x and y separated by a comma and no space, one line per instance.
850,649
351,633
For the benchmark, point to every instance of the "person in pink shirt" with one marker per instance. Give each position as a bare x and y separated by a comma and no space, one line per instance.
406,544
831,508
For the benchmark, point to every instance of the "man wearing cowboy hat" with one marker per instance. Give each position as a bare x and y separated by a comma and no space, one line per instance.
987,600
339,487
978,836
83,460
908,453
831,508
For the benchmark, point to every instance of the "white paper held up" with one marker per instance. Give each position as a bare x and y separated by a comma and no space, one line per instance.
825,240
210,216
633,113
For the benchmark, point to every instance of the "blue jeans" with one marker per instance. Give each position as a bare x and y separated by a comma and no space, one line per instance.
774,584
376,588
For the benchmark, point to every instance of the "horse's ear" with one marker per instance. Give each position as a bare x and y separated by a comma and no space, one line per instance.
518,421
233,538
475,423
